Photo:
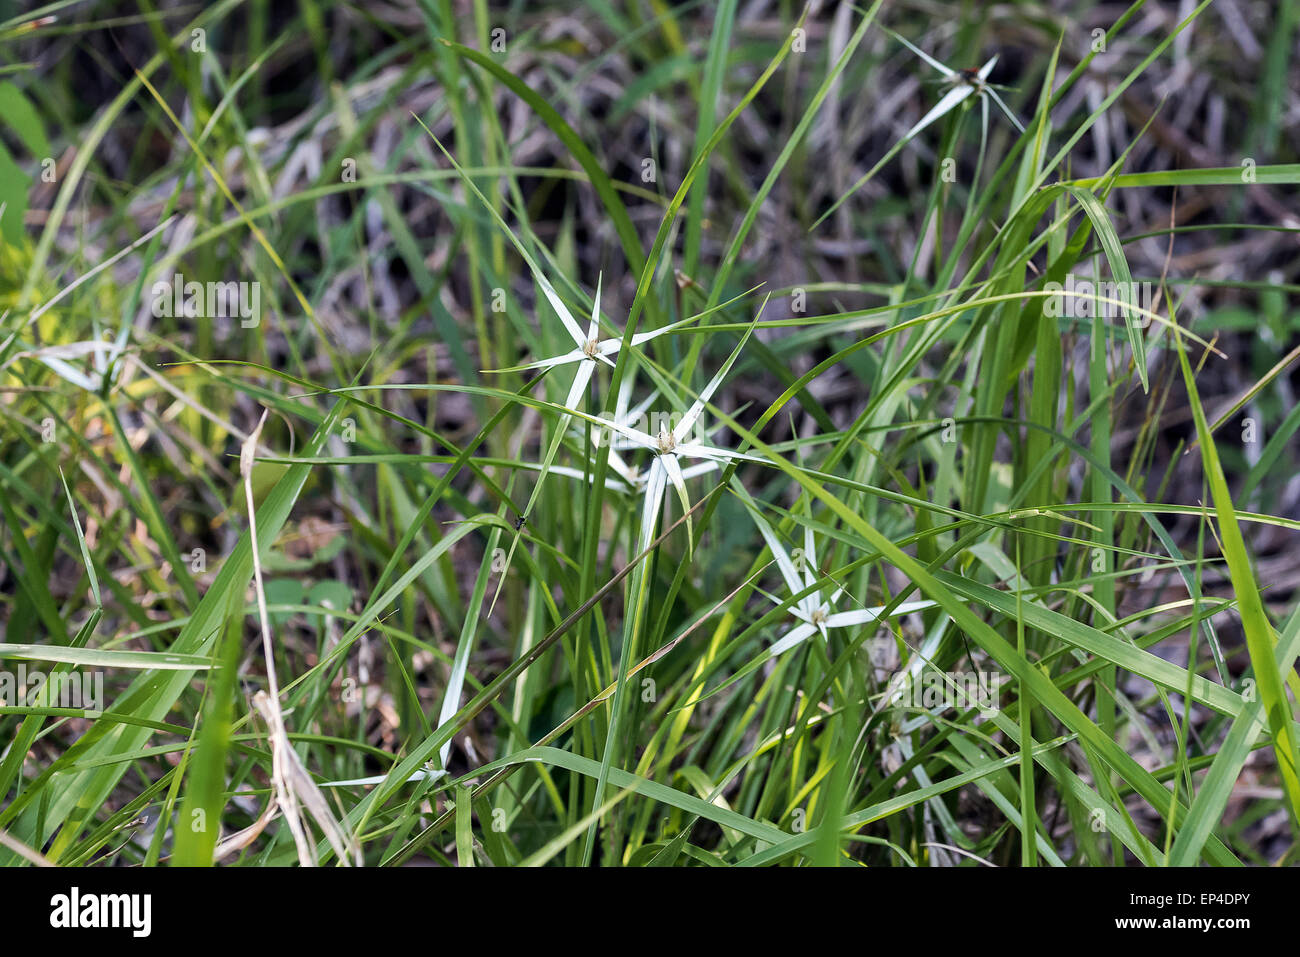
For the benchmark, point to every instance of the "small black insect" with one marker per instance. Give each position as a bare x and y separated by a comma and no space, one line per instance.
519,522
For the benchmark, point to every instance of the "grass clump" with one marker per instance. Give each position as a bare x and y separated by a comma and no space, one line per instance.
645,435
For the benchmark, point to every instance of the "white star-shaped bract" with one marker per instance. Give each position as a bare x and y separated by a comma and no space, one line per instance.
815,611
962,89
964,85
630,476
670,446
591,349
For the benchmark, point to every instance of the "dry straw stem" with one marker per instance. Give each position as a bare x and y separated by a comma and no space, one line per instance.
295,791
